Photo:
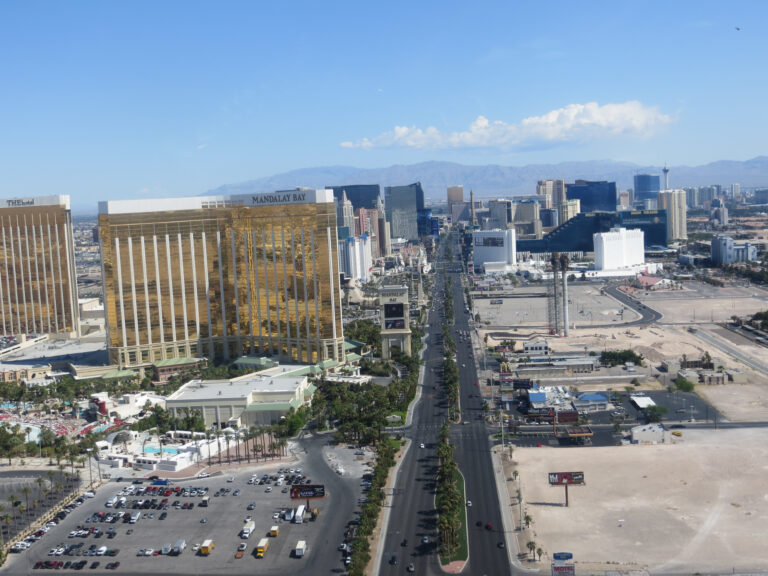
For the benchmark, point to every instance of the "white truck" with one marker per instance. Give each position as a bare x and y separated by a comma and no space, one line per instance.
301,548
248,529
298,517
111,502
178,548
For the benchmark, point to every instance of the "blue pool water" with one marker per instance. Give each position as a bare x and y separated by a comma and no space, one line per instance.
153,450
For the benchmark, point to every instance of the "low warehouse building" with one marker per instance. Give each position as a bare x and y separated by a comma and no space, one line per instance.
252,400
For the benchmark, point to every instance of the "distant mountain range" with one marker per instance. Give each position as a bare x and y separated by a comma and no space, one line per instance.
494,180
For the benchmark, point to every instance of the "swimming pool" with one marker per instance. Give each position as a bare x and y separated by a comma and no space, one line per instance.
153,450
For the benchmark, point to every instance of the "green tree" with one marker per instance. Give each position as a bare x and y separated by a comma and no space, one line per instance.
531,545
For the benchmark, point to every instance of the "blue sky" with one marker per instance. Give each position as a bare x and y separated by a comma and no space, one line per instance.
108,100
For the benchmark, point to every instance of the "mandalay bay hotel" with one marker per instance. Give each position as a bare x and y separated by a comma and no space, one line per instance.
222,276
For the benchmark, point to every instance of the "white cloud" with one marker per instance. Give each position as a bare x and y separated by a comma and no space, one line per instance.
574,122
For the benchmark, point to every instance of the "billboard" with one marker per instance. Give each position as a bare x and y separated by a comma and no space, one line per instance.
394,324
561,478
394,310
564,570
304,491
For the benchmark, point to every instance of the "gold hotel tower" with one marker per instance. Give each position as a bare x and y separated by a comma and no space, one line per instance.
222,276
38,285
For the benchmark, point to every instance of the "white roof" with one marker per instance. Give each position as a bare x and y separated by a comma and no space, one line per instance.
22,202
282,197
642,402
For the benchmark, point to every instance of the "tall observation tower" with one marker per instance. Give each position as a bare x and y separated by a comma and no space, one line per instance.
666,176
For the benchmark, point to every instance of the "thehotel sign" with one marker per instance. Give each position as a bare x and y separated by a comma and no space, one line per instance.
16,203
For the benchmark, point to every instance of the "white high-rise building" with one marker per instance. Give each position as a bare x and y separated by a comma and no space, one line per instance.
619,248
355,259
494,250
674,202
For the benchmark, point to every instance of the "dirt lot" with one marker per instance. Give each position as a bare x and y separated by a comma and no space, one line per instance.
700,504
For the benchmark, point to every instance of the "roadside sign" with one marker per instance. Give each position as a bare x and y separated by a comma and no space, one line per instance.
562,556
560,478
304,491
564,570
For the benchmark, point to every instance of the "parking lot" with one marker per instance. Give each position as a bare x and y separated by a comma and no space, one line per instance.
143,547
180,516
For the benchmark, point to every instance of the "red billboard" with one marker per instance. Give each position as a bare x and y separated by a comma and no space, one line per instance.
565,478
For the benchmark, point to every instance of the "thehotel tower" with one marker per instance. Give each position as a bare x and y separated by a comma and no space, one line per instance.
222,276
38,286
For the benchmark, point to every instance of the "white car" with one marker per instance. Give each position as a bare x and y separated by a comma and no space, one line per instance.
89,495
51,552
421,445
247,519
269,489
469,503
276,516
73,534
203,475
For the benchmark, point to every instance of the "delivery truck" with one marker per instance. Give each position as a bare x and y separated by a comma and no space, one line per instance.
248,529
261,547
207,547
301,548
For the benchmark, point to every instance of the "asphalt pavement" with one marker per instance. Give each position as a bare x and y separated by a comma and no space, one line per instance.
413,516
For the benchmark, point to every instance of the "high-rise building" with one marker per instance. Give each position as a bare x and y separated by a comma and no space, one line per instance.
567,210
619,248
736,191
692,197
455,194
647,187
361,195
494,250
345,212
594,195
38,285
674,202
555,189
405,208
355,258
625,199
368,223
725,251
222,276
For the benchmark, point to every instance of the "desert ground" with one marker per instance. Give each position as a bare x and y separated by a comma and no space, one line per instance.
699,504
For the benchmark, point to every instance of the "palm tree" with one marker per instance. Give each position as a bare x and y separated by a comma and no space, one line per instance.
26,491
531,548
22,509
246,437
539,551
527,519
6,518
227,438
218,443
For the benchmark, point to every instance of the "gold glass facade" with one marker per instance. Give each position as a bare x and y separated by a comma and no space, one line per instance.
38,286
221,282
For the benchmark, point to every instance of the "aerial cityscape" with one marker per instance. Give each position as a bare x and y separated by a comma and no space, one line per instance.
383,290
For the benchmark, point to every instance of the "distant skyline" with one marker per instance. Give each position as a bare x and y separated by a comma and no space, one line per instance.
145,99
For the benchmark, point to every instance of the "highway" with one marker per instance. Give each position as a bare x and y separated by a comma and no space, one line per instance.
413,515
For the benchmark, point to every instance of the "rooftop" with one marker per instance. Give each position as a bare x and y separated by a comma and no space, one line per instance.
278,380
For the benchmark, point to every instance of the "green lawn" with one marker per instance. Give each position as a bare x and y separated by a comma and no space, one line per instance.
462,552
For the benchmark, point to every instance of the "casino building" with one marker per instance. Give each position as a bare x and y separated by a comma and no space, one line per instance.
38,285
222,276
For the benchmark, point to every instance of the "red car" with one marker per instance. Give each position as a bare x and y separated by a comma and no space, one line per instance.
489,526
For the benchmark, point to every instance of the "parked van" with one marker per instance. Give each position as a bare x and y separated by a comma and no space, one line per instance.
111,502
135,517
